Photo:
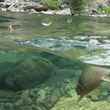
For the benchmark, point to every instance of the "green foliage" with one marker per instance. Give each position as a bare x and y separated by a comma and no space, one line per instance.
104,10
52,4
77,6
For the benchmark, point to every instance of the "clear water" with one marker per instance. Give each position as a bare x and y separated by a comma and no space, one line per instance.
64,34
43,43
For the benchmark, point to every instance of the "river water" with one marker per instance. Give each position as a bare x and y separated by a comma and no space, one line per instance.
41,60
84,38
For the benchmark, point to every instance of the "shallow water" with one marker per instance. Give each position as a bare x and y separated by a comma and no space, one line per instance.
33,25
64,34
52,44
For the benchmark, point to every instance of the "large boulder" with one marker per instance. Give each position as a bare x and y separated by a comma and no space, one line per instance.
24,73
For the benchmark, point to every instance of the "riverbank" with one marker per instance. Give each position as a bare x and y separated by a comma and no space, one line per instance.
97,9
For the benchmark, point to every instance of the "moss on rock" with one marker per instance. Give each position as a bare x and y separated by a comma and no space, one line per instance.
26,72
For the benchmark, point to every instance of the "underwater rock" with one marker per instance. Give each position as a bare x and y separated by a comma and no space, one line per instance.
90,79
62,62
24,74
41,82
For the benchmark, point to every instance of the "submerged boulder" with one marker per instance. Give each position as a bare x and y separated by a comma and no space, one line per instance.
25,73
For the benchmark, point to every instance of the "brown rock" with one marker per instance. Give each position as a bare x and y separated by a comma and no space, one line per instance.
90,79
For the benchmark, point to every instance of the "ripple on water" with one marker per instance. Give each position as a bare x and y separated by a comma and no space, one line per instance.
83,42
100,59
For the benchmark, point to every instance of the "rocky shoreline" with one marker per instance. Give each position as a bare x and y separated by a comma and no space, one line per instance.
31,6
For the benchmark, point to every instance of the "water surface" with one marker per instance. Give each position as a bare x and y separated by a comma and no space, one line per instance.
66,35
50,47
